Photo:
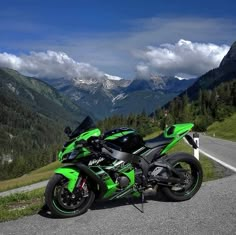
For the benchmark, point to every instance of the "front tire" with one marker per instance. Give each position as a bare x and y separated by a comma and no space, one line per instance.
192,169
62,203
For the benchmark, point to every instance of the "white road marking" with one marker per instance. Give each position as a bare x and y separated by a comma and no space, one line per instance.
219,161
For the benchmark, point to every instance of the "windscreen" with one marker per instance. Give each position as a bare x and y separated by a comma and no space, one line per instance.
85,125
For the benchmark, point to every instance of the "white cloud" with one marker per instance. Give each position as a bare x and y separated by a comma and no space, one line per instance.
142,71
185,58
50,64
113,51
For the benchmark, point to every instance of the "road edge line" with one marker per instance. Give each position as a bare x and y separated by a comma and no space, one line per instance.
219,161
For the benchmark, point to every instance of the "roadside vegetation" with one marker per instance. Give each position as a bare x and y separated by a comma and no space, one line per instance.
225,129
41,174
208,107
21,204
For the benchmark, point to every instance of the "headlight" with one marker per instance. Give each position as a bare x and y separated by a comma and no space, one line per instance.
73,155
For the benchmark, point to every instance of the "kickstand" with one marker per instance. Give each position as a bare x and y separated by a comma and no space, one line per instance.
142,201
142,198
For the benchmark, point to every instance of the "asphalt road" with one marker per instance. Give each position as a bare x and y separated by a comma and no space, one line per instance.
211,211
221,149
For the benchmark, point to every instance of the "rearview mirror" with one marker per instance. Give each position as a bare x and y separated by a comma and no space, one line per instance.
67,131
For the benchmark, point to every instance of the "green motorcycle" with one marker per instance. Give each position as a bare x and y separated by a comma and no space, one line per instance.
120,164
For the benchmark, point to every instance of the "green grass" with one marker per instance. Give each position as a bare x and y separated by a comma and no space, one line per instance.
35,176
21,204
225,129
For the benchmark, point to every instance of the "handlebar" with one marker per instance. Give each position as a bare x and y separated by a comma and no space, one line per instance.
95,142
102,143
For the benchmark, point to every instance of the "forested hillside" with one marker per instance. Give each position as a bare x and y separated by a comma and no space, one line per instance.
32,118
225,129
211,98
211,105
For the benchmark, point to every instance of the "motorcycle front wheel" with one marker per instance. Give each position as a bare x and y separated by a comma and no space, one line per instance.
63,203
191,168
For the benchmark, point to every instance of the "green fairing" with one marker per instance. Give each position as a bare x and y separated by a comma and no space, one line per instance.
84,151
112,187
68,149
95,132
69,173
179,132
117,135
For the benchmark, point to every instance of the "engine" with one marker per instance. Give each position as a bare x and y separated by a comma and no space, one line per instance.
123,181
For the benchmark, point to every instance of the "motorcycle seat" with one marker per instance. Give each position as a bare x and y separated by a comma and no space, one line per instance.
158,141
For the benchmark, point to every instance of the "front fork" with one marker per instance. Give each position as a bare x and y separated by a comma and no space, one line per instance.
82,186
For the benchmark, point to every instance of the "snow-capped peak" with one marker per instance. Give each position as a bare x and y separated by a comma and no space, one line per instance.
87,81
111,77
180,78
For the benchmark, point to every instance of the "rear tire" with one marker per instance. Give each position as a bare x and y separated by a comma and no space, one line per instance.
193,181
62,203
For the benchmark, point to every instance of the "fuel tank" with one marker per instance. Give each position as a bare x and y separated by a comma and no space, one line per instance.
124,139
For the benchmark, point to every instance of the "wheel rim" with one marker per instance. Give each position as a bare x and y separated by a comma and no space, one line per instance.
191,177
65,200
68,200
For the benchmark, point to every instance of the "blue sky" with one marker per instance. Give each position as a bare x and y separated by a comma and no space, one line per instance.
122,38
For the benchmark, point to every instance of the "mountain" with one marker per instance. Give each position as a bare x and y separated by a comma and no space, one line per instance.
211,98
94,95
225,72
39,96
32,117
114,95
160,83
230,59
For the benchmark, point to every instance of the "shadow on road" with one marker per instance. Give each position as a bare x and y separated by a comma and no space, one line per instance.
106,204
135,202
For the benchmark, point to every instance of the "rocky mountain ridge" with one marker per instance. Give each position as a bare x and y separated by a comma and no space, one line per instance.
108,96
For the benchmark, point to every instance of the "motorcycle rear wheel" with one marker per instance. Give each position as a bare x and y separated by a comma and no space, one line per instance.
192,170
64,204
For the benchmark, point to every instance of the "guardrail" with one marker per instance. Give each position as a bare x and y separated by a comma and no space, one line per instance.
196,140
